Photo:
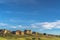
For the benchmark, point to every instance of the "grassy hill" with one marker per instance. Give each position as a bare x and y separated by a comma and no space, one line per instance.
7,35
29,37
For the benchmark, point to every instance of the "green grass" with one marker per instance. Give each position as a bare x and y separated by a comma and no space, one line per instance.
52,38
29,37
1,38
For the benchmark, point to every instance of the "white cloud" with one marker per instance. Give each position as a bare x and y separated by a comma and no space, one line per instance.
3,24
20,26
40,25
35,25
17,26
47,25
13,26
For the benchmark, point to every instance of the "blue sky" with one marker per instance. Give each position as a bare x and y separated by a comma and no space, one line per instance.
43,15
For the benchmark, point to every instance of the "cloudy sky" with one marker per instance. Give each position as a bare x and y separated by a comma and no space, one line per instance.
36,15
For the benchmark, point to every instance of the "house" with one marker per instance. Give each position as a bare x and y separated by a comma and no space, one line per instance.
13,32
28,32
21,33
6,32
34,33
1,32
18,32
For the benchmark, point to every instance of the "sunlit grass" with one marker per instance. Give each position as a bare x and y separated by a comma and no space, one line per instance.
29,38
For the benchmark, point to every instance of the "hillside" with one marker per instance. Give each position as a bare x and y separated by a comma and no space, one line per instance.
26,35
29,37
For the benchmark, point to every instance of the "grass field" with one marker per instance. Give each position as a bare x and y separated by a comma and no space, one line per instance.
29,38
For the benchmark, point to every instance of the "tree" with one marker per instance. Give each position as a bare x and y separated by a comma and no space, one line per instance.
44,34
